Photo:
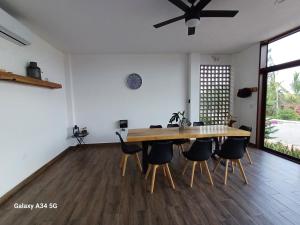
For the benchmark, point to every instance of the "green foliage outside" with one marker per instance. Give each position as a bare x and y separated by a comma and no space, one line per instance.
275,96
296,83
291,98
270,130
278,146
281,104
287,114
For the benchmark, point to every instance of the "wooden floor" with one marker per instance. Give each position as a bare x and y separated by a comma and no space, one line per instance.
87,186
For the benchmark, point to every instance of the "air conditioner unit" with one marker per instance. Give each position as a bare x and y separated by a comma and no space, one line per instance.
14,31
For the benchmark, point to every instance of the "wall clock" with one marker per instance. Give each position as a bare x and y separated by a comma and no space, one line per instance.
134,81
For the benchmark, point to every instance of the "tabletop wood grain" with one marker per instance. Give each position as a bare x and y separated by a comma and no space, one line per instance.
147,134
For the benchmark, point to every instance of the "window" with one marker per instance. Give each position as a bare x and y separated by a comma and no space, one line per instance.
284,50
214,94
279,98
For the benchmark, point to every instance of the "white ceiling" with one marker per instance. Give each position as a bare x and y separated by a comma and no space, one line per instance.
126,26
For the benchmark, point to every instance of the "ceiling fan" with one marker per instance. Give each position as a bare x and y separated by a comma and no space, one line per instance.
193,14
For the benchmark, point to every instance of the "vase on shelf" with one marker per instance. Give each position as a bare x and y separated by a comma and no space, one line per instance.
33,71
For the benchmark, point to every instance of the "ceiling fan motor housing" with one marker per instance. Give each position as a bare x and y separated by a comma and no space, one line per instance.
192,1
193,22
192,18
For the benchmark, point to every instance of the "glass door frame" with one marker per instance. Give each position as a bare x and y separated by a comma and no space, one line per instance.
264,70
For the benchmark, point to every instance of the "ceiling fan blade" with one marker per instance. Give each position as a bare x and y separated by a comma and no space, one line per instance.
201,4
180,5
191,30
218,13
169,21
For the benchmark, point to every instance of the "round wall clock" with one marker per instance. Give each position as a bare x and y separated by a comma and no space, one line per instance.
134,81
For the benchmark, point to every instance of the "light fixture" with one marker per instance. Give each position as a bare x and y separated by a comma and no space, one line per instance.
192,22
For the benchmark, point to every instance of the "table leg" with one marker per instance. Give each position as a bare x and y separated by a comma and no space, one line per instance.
217,147
217,141
145,156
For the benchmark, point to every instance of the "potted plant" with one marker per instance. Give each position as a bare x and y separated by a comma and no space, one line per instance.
180,119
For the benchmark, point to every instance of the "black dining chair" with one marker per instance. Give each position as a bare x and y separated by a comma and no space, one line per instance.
199,153
215,139
233,150
172,125
155,126
178,142
246,128
198,124
127,151
160,155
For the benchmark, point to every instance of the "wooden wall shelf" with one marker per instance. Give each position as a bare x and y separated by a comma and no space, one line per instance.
7,76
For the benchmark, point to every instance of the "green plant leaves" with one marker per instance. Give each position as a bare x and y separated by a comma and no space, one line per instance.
179,118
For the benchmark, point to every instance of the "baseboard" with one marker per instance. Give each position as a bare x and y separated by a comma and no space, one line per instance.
98,144
33,176
252,145
93,145
105,143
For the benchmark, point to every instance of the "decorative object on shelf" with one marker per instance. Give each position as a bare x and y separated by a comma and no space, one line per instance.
11,77
33,71
246,92
123,124
180,119
134,81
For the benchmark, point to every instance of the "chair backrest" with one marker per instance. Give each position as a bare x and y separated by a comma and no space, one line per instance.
233,148
201,150
246,128
198,124
121,140
161,152
155,126
172,125
243,127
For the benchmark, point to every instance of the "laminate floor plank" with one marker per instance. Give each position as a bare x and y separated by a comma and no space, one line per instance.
88,187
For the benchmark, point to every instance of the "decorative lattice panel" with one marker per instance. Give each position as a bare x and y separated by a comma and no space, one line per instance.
214,94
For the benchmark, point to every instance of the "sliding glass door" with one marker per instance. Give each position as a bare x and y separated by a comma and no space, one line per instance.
279,109
282,121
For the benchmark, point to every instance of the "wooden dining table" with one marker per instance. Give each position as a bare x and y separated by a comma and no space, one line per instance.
146,135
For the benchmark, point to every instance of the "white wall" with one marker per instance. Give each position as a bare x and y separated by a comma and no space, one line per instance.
246,65
33,120
102,98
195,60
